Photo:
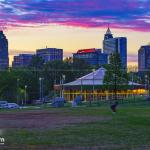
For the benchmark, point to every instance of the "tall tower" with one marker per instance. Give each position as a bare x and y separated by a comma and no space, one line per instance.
4,60
113,45
108,34
144,58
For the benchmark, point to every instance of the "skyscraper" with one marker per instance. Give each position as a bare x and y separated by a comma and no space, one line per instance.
4,60
144,58
115,45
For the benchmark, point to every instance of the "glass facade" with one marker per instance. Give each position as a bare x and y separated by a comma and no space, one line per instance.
92,56
112,45
4,60
50,54
144,58
23,60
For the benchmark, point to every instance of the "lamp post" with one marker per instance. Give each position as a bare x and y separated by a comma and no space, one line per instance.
63,81
54,88
132,83
25,94
18,90
60,86
93,84
41,88
146,84
133,94
81,88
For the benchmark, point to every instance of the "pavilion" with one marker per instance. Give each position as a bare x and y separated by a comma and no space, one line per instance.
92,87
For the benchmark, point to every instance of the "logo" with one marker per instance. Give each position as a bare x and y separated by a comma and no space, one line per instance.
2,141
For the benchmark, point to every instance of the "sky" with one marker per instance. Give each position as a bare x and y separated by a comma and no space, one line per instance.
73,24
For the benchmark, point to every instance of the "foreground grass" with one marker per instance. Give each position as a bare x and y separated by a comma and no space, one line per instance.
128,129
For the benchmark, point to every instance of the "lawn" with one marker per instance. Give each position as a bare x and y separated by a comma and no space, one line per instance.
83,128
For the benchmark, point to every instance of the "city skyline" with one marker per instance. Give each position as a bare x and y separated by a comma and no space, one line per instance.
63,24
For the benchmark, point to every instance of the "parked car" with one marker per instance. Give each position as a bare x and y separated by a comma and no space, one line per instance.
13,106
3,104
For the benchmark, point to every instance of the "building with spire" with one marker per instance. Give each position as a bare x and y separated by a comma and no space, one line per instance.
108,34
4,60
115,45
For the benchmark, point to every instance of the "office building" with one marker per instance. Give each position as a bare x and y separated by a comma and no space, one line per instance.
92,56
22,60
4,60
50,54
144,58
113,45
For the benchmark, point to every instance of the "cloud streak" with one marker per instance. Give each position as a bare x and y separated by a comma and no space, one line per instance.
122,14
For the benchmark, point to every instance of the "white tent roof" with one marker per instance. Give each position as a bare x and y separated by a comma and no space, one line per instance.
94,78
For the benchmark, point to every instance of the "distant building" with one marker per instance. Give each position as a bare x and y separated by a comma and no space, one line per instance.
22,60
115,45
144,58
50,54
4,60
92,56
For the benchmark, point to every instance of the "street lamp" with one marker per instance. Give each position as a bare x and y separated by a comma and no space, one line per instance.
18,90
25,94
41,88
93,83
81,90
146,83
63,81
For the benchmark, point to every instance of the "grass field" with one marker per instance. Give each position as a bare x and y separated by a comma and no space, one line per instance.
83,128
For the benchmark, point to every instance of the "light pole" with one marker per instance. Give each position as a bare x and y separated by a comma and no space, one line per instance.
63,81
133,94
81,90
60,86
146,84
25,94
41,88
18,90
93,84
132,83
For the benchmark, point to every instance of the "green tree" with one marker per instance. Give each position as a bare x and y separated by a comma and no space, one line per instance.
115,73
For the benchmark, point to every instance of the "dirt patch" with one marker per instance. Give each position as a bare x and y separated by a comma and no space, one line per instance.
44,119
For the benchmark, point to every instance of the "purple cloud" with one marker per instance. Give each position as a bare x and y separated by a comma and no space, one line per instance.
124,14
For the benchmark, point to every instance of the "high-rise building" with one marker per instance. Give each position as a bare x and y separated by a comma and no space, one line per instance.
115,45
50,54
22,60
144,58
4,60
92,56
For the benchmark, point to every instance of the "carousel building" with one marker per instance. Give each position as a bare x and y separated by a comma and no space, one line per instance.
92,87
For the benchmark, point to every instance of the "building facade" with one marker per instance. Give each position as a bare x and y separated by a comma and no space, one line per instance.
4,60
50,54
113,45
144,58
92,56
22,60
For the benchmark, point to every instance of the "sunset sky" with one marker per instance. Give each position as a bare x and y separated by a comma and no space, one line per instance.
73,24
